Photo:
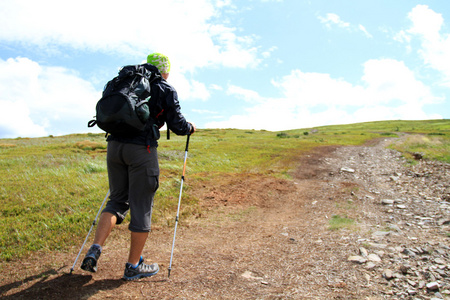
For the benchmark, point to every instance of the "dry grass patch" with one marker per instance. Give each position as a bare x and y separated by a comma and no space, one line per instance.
90,145
6,146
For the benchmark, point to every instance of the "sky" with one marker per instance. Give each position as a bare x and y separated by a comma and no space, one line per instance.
248,64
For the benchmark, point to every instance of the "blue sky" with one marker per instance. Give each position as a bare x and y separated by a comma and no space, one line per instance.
248,64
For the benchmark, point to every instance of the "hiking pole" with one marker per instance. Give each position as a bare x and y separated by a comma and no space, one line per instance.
93,223
179,202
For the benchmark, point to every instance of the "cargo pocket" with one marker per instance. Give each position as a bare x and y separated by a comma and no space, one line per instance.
153,178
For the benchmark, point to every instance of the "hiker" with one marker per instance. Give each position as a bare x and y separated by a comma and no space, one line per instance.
133,172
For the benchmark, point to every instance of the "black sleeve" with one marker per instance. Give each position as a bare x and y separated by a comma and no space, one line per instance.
172,112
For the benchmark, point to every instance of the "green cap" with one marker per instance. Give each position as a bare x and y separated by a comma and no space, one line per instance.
160,61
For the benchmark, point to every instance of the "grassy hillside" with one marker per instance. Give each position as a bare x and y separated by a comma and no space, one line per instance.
52,187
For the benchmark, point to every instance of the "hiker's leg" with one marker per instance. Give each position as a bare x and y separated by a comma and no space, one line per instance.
117,207
105,225
143,174
136,268
137,245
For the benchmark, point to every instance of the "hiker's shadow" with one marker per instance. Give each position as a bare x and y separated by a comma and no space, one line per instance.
64,286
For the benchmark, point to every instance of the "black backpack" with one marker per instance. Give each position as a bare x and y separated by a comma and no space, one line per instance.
122,110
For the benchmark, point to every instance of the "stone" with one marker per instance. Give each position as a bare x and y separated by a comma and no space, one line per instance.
388,274
446,292
370,265
387,202
404,269
378,246
357,259
251,275
373,257
443,222
418,155
411,283
363,251
393,178
409,252
440,272
347,170
422,284
439,261
380,233
432,286
437,296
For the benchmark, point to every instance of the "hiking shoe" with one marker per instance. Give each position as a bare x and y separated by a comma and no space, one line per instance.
142,270
90,260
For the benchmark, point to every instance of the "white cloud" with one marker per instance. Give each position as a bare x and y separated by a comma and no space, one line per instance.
215,87
310,89
245,94
389,91
403,37
435,46
223,3
268,52
15,121
205,111
388,80
186,28
426,22
189,89
364,30
38,100
332,19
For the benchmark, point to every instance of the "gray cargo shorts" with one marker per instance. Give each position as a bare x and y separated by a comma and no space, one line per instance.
133,173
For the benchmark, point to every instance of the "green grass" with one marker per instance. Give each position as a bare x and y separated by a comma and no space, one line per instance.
52,187
337,222
431,146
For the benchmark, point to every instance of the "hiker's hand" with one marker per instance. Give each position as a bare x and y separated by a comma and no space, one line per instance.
193,128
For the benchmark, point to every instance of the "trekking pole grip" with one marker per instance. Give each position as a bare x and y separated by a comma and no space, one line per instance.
187,142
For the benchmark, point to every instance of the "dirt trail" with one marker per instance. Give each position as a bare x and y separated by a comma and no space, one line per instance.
259,238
